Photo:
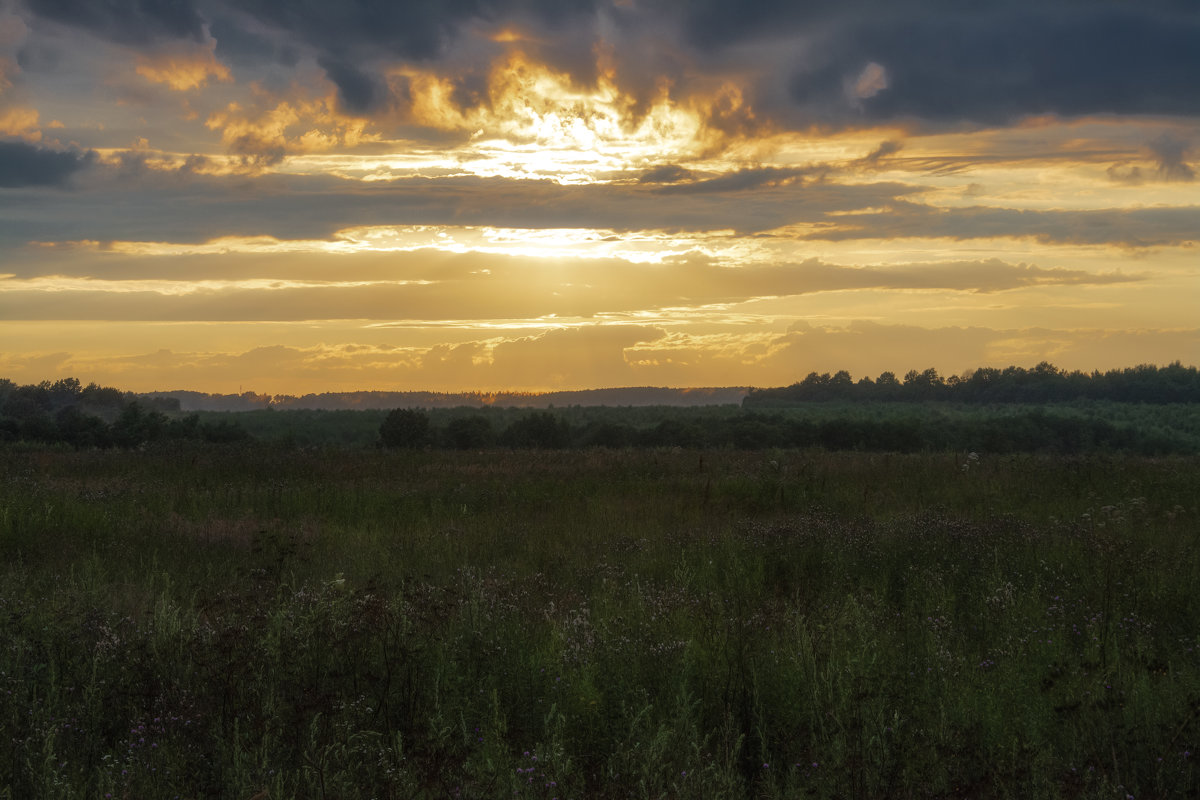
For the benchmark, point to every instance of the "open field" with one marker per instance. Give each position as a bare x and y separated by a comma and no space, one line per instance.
234,621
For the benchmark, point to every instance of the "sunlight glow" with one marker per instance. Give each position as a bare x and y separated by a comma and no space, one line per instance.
642,247
178,288
535,123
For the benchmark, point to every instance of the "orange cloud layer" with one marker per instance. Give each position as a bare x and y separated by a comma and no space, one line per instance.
20,121
184,71
600,356
276,127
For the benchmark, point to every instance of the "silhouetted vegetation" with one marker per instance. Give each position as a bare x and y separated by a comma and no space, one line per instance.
990,411
1045,383
65,412
467,433
539,430
897,428
405,427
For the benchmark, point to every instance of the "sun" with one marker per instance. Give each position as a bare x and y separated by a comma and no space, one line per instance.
537,122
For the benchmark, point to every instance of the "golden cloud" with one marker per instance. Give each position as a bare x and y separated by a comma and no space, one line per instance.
534,120
184,71
20,121
263,135
592,356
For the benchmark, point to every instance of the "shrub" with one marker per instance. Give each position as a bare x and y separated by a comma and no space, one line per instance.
405,427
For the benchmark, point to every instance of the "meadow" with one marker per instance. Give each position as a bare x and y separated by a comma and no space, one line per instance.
264,621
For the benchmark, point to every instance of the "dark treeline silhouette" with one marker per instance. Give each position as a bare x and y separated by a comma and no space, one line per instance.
1141,410
1045,383
1025,431
69,413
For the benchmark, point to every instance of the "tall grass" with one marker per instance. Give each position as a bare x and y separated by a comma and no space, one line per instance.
230,623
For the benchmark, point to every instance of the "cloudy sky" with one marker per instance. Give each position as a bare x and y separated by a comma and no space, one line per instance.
309,195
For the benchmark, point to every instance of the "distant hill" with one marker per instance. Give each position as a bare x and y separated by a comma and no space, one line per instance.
339,401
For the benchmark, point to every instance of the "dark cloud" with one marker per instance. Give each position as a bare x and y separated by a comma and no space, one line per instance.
741,180
109,207
945,59
1126,173
885,149
128,206
24,165
431,286
1170,154
1002,63
358,91
965,164
854,61
349,36
1134,227
666,173
849,62
417,30
135,22
237,42
716,23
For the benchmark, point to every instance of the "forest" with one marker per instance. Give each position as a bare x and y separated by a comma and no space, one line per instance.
1145,410
1045,383
67,412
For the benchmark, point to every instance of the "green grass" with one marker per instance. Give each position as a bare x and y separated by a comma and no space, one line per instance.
223,622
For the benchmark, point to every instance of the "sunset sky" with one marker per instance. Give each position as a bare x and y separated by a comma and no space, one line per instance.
298,196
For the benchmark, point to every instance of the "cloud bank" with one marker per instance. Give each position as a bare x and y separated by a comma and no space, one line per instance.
580,192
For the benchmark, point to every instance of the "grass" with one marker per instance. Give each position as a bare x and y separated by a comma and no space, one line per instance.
270,622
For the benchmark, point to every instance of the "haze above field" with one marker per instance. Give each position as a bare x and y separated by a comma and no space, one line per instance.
517,196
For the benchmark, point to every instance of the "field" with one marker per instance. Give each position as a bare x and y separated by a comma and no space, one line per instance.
271,622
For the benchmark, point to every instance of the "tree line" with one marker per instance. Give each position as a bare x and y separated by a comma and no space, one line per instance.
67,412
1045,383
1025,431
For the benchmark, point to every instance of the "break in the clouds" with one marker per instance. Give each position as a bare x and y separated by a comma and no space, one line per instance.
493,193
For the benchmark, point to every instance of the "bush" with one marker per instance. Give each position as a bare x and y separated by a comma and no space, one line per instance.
468,433
540,430
405,427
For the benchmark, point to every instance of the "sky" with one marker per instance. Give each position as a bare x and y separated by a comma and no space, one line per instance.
292,196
